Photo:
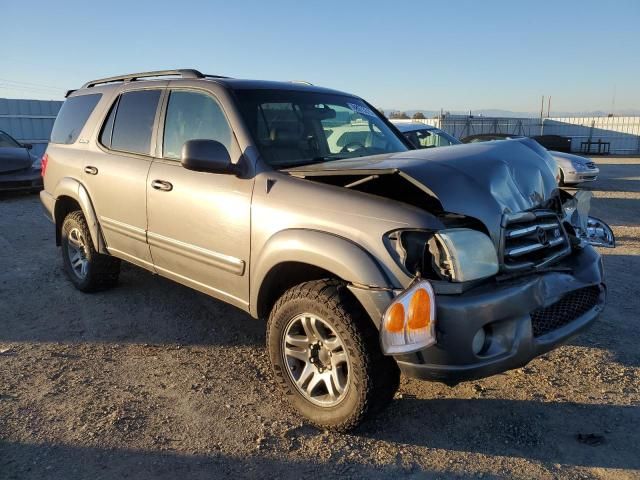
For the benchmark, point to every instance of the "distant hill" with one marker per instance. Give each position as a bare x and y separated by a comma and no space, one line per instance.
494,112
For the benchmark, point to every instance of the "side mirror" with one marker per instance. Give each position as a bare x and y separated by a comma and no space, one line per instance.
207,156
28,146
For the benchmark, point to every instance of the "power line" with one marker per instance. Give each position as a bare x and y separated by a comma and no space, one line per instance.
31,89
39,85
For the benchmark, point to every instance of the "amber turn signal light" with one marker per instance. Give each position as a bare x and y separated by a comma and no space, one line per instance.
408,324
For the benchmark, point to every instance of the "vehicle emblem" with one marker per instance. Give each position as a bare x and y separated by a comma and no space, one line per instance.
541,233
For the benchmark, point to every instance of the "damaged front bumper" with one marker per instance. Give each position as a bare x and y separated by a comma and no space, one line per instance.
520,318
505,322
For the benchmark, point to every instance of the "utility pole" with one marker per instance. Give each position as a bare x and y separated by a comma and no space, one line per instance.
613,101
548,106
542,115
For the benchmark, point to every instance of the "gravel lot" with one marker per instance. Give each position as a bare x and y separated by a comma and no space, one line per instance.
153,380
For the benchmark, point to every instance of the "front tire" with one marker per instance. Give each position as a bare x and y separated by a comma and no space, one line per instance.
88,270
326,357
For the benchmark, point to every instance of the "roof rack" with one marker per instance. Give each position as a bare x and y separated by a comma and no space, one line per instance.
303,82
183,73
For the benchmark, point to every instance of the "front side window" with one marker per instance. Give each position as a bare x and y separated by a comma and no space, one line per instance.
294,128
133,121
72,116
193,116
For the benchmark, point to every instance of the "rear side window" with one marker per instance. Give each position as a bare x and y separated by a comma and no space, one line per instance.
72,117
107,130
130,122
190,116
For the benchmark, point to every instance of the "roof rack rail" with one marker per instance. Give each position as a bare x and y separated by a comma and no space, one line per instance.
303,82
183,73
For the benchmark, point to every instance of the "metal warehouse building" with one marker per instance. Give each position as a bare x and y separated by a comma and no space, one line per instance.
29,121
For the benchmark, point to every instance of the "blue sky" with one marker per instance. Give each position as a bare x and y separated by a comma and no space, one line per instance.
454,55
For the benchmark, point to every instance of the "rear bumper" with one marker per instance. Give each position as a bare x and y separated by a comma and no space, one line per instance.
21,181
48,204
504,311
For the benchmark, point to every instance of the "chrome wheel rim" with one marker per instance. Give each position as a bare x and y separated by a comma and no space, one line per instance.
77,252
316,360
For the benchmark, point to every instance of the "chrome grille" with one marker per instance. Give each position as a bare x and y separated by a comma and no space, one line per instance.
532,239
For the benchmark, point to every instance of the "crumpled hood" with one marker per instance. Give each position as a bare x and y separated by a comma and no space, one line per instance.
480,180
14,158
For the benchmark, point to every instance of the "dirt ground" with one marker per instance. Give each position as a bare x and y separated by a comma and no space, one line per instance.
153,380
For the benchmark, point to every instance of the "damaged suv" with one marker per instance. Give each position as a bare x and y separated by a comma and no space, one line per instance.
366,257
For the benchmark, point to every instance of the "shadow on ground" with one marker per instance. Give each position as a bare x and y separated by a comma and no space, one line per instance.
46,461
550,432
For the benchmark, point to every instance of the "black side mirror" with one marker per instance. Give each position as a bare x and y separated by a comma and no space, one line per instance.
207,156
28,146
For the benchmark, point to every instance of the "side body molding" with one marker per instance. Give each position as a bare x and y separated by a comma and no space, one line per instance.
335,254
70,187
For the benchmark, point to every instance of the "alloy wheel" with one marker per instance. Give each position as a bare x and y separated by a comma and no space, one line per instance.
316,360
77,252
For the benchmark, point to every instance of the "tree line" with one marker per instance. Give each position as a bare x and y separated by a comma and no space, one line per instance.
398,115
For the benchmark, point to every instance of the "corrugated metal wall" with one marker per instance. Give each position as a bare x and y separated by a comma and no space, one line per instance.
621,133
29,121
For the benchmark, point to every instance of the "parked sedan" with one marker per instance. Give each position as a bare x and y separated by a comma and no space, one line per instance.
19,168
573,168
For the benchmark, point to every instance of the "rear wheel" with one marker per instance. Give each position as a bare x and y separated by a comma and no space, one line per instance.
87,269
326,356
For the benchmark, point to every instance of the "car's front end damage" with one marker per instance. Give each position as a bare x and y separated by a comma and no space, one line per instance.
510,275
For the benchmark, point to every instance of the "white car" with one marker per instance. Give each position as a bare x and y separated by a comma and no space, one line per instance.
572,168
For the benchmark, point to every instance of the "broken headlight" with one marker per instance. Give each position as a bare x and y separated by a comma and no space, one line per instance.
408,248
463,254
587,229
455,254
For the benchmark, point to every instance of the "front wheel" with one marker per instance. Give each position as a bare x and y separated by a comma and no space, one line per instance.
326,356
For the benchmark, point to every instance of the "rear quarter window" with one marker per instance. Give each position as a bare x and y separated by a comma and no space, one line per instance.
72,117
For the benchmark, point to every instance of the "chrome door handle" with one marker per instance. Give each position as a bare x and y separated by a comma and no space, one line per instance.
91,170
162,185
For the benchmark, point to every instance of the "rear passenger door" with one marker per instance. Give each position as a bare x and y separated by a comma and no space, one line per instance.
199,222
116,177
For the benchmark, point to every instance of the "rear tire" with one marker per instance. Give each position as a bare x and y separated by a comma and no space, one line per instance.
351,375
88,270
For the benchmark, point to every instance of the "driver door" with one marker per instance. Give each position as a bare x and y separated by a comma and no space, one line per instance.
199,222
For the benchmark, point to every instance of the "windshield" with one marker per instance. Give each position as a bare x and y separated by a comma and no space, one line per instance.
294,128
7,141
430,138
